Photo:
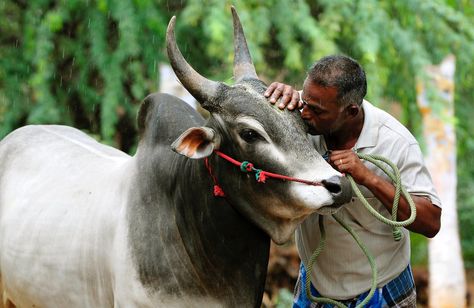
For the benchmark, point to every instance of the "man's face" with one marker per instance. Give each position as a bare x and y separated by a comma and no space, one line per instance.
321,112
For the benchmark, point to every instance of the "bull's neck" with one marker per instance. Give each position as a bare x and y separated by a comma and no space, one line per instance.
189,242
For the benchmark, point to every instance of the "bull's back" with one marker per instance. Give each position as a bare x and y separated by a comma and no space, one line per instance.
59,202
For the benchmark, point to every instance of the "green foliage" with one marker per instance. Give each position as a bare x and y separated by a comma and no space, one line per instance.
284,298
419,249
80,63
89,63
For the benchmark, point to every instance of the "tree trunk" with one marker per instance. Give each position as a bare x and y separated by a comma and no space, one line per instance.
447,284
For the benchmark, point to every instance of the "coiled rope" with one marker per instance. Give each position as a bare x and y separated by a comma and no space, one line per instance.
394,175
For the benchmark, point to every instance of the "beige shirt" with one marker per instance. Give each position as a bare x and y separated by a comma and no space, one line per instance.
342,271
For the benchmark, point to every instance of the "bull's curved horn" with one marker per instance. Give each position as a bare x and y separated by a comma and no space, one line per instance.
203,89
243,65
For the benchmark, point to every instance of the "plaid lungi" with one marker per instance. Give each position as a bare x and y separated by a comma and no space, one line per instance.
399,292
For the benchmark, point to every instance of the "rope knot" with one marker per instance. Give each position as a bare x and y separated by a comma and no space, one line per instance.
397,234
218,192
260,176
246,166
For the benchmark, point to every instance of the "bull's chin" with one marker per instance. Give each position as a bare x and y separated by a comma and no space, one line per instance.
282,238
328,210
282,232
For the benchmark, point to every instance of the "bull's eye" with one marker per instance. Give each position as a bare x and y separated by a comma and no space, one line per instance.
250,136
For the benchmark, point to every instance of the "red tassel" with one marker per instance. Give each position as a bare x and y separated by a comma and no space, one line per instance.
218,192
261,177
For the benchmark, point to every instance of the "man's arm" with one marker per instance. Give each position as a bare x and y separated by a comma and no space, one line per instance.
428,218
428,215
290,98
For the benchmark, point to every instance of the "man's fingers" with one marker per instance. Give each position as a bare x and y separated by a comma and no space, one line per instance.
271,88
277,93
284,94
286,97
340,152
339,158
295,99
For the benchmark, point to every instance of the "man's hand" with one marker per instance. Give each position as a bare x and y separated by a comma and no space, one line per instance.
290,98
347,161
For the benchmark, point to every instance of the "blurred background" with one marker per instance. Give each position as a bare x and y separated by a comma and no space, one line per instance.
89,64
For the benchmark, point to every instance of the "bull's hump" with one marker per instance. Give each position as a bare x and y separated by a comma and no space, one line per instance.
163,117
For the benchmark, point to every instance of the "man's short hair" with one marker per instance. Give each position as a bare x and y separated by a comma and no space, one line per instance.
341,72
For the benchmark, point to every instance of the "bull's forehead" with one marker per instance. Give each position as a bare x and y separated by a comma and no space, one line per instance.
245,102
247,99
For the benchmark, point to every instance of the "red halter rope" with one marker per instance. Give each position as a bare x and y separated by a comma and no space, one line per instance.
260,175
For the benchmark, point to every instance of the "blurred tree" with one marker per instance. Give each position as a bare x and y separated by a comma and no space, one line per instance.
81,63
447,283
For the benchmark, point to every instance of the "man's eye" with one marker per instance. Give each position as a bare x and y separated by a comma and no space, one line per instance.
249,135
315,110
312,108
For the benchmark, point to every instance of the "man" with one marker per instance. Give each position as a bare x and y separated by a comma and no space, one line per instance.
342,122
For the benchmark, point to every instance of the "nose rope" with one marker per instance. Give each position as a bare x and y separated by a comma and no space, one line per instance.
217,190
260,175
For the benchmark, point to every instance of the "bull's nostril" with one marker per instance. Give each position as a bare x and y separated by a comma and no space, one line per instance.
333,184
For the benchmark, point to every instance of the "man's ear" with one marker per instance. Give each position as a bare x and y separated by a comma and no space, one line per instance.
197,142
353,110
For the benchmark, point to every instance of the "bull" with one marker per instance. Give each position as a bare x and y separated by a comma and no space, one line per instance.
85,225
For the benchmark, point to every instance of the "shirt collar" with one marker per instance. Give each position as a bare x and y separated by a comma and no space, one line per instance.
369,134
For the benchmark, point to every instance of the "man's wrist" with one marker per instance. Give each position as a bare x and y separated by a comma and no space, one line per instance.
372,180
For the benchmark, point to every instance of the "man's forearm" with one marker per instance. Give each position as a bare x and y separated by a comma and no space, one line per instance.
427,220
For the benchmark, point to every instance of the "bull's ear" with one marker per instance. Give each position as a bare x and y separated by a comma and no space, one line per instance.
196,142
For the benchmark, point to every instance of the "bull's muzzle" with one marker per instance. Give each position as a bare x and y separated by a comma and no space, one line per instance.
340,189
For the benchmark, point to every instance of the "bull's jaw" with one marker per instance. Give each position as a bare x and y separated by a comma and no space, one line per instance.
279,223
282,232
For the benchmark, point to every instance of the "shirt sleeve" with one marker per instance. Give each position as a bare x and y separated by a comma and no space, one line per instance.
416,177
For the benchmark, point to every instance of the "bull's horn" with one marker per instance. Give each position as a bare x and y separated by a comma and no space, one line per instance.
243,65
203,89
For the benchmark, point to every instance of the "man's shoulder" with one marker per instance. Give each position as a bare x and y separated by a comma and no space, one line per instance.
389,127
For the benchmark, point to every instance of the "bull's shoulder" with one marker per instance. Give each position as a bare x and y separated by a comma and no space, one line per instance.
163,117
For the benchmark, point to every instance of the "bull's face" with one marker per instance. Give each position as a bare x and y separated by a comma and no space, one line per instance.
244,125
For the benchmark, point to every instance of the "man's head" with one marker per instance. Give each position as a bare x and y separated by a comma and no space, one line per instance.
343,73
332,94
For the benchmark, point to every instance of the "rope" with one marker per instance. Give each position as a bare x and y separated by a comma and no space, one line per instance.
399,189
261,175
320,248
217,190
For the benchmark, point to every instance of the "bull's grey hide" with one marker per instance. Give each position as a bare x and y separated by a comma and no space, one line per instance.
85,225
